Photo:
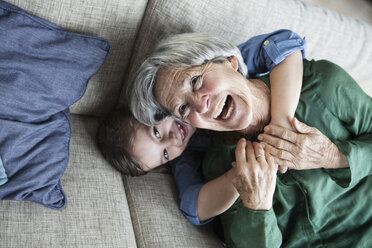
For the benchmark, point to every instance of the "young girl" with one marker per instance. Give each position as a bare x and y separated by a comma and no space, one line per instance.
134,148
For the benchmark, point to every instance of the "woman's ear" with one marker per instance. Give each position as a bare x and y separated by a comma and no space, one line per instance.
234,62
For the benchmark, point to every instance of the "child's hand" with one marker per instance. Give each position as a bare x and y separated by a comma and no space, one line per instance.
256,175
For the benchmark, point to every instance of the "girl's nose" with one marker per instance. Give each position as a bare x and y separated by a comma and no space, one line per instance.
173,139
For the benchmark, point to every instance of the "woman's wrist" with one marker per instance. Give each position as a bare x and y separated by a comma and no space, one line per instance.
338,159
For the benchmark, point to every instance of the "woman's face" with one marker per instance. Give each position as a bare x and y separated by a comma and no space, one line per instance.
155,145
212,96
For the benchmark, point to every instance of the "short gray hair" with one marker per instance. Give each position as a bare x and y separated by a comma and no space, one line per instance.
178,52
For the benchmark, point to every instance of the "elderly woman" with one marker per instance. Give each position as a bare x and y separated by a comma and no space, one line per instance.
325,206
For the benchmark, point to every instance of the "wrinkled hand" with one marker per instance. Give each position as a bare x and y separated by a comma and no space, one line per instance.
255,178
306,149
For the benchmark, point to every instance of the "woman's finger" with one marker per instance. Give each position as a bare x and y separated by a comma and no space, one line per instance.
250,152
302,127
259,152
240,153
276,142
282,169
270,160
282,154
281,132
284,165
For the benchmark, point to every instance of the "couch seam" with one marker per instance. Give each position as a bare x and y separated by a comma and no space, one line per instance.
128,195
129,67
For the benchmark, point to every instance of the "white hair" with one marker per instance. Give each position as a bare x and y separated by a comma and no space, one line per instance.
179,51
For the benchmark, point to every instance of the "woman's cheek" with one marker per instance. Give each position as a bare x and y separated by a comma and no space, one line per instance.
195,120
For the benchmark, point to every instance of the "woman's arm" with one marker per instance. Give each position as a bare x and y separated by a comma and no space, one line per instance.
254,224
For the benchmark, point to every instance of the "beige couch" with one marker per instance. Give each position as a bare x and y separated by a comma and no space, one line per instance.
106,209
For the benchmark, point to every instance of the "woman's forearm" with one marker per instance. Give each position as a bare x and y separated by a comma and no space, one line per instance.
216,196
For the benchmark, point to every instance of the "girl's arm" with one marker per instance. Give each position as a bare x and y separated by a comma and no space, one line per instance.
216,196
286,82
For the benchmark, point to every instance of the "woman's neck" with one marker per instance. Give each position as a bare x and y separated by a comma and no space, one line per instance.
261,106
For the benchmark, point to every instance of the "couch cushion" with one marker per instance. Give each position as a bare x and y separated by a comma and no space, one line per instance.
331,36
115,20
97,213
156,217
43,70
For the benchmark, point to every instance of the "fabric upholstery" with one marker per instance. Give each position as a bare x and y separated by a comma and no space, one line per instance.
96,215
157,220
329,35
116,20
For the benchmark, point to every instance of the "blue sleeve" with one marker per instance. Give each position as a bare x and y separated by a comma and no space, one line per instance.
263,52
189,180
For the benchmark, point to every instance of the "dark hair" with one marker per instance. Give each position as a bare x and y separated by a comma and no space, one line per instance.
114,138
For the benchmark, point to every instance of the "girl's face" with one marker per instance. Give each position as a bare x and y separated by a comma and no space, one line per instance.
156,145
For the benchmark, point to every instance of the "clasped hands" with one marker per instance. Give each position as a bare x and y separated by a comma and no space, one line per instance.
280,149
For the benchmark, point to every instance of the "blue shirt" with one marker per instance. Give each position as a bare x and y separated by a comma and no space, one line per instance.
261,54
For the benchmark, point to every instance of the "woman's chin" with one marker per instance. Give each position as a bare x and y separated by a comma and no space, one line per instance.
240,121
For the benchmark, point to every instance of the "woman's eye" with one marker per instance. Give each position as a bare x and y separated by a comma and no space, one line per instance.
194,80
182,109
156,133
165,154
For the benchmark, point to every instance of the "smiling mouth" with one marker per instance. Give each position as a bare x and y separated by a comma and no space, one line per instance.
182,128
225,108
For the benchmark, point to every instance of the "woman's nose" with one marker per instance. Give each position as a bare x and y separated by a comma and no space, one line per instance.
200,102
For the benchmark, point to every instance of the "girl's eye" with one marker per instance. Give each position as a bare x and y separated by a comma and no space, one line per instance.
156,133
165,154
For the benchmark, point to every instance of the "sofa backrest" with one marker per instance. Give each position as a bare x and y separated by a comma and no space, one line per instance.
329,35
116,20
134,27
